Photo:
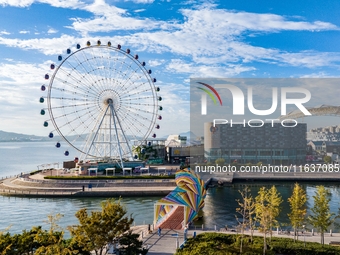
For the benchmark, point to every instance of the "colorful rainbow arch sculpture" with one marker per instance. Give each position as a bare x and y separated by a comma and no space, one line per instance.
189,193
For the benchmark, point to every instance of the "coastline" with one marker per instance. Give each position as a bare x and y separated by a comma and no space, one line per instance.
27,185
36,186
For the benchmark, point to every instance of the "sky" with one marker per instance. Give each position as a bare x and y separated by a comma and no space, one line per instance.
178,40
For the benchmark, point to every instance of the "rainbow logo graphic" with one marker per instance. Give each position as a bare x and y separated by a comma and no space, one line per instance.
212,94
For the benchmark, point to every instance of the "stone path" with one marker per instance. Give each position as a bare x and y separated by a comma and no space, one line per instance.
167,243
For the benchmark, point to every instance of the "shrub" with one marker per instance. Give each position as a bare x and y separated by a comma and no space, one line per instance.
219,243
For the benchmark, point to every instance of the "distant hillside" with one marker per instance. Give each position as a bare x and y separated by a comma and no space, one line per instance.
15,137
190,135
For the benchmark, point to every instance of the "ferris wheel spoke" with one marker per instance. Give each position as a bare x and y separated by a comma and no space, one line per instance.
151,113
133,120
71,106
89,79
80,78
129,78
97,57
118,70
73,99
66,115
135,84
130,121
137,93
80,92
138,99
131,85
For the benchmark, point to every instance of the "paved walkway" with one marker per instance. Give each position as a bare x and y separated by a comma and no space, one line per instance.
166,243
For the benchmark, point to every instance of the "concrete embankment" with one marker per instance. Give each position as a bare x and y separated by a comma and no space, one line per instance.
289,176
226,179
27,187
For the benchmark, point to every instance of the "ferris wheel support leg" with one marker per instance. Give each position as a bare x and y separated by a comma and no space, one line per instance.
96,134
114,116
126,140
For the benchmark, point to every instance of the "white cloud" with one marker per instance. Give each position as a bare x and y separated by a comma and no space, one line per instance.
139,10
317,75
110,18
176,107
55,3
21,73
310,59
64,3
19,99
214,37
24,32
178,66
52,31
4,32
143,1
238,22
17,3
156,62
48,46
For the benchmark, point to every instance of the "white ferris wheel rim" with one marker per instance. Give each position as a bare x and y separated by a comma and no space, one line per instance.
90,79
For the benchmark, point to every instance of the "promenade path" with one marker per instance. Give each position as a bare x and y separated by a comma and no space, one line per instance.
166,244
35,185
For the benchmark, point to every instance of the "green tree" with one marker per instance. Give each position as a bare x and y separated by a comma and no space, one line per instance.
321,217
274,203
267,209
144,152
260,163
52,241
6,243
26,243
327,159
246,209
98,229
263,214
220,161
131,244
298,211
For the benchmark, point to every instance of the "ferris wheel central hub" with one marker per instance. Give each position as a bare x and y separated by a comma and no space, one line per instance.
109,101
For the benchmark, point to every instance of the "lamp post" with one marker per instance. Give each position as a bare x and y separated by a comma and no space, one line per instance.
304,233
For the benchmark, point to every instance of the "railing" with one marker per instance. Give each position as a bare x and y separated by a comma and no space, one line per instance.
35,192
91,181
10,176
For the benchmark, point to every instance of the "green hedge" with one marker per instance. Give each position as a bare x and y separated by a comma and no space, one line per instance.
228,244
35,172
110,177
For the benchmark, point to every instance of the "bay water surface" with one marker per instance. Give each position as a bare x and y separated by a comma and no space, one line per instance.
24,213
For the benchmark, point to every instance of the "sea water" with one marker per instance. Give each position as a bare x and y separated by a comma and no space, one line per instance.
23,213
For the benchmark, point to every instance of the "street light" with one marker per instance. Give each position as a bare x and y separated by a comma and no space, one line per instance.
304,233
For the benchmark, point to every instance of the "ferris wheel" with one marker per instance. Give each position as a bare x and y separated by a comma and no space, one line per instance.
101,100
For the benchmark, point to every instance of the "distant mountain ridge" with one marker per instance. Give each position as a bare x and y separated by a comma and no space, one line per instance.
16,137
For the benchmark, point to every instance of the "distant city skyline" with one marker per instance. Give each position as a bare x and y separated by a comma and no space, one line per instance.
178,40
